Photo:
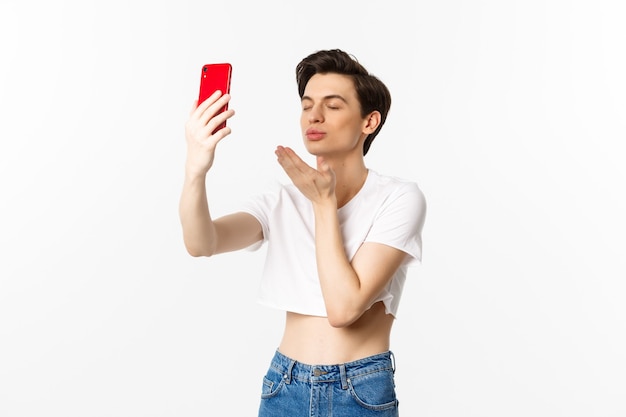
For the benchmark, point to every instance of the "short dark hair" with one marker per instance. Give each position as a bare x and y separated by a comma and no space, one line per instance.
372,94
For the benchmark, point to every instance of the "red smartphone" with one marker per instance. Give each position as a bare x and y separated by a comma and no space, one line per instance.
215,77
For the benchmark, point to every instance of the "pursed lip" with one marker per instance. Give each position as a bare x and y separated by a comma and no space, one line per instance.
314,134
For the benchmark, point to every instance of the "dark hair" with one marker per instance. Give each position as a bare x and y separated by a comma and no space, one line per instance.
371,92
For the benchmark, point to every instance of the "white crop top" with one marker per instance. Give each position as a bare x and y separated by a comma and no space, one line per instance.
386,210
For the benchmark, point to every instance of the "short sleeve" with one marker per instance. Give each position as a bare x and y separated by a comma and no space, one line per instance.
260,206
400,220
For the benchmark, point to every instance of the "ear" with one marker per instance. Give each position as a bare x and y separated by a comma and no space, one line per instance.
371,122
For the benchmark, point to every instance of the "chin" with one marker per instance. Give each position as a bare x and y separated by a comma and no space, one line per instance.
311,148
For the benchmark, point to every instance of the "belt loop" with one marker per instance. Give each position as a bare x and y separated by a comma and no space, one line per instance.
289,371
344,376
393,361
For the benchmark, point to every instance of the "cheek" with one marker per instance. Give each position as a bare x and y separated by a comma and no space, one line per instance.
304,120
351,127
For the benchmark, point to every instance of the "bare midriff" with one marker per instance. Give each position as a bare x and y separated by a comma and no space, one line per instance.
312,340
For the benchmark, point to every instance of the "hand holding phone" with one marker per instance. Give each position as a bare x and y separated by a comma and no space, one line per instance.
215,77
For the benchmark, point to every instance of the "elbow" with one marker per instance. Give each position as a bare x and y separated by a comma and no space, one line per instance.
338,324
199,251
196,253
342,318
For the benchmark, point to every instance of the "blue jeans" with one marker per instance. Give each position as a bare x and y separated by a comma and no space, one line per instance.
363,388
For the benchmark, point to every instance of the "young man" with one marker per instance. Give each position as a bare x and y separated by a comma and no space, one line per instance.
340,239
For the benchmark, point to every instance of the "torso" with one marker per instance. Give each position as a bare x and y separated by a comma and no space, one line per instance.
312,340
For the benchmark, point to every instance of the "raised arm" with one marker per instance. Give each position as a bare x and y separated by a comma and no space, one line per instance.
201,234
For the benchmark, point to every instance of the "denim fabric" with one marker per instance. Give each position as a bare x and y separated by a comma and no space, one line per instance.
363,388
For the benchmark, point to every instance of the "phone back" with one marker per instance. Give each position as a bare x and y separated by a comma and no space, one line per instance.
214,77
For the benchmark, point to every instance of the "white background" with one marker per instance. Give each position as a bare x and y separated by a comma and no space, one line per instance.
509,114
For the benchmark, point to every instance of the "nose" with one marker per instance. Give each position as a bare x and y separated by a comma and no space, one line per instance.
315,115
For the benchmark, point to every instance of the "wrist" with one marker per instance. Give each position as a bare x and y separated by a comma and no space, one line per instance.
194,169
195,175
325,206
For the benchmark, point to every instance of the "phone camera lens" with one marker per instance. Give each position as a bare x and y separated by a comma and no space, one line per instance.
204,69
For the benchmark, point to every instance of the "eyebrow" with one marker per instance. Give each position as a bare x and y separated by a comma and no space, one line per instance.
328,97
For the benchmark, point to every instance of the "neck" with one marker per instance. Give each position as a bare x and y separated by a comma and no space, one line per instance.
350,178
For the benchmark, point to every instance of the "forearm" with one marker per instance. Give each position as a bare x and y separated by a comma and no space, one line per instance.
198,227
339,282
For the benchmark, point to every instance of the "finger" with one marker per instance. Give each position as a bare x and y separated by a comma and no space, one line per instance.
294,160
216,121
324,168
208,101
203,133
213,109
286,162
203,106
280,155
211,141
194,107
220,134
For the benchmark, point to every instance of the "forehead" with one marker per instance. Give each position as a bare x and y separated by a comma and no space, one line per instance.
322,85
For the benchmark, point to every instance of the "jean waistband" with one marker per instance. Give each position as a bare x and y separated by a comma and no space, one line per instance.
292,369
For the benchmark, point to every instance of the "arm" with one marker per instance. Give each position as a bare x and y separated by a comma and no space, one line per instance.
202,235
348,287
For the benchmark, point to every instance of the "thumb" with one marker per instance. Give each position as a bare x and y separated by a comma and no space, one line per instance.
324,168
322,165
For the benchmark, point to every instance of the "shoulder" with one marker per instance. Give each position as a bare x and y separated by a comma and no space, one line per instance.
395,187
279,197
